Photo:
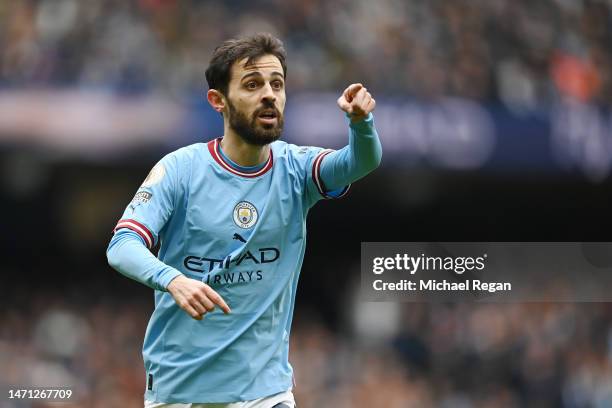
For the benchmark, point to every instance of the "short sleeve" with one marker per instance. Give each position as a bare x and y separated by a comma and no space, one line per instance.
154,202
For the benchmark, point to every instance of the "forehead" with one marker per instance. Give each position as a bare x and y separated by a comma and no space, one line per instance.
266,65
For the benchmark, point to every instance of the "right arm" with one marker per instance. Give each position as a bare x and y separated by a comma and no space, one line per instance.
137,233
128,255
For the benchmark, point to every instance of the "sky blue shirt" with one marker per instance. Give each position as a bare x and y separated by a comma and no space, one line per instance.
243,232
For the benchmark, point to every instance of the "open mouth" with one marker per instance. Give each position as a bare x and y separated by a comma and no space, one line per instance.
267,116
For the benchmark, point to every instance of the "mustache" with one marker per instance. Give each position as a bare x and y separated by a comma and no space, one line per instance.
267,106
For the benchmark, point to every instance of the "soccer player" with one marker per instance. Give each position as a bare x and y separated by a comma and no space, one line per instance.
229,218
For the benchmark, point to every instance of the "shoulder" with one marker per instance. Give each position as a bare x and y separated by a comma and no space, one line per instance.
187,152
294,152
184,156
298,159
177,164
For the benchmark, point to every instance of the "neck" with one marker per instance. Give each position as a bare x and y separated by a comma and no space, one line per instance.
240,152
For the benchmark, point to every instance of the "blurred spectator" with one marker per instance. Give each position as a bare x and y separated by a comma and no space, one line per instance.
462,355
515,51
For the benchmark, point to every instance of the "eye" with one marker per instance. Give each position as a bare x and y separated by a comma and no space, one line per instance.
277,84
251,85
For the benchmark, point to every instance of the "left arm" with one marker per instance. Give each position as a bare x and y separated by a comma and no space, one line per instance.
363,153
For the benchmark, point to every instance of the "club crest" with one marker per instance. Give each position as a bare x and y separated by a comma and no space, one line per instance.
245,214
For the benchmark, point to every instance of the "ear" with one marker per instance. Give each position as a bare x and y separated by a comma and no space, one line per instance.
216,100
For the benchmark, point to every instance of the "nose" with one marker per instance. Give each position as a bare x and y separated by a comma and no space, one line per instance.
268,93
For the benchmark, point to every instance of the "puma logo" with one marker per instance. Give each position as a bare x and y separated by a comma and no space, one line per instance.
239,238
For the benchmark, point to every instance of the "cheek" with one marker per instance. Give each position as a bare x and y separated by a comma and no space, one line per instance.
242,104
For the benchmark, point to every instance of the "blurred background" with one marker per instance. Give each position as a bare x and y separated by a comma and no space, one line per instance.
496,125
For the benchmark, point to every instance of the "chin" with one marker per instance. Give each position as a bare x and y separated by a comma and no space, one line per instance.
269,133
261,138
267,139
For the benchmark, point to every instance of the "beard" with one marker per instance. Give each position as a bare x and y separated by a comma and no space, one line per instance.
253,132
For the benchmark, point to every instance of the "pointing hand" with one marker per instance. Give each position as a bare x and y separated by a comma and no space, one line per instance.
357,102
195,297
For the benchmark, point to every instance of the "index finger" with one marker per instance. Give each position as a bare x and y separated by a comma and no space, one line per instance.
218,300
351,91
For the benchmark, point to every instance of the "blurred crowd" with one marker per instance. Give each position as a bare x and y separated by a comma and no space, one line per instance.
521,52
442,355
462,356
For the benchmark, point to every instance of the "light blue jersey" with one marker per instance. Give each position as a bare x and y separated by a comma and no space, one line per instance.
243,232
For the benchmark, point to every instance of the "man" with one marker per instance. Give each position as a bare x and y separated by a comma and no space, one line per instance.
229,218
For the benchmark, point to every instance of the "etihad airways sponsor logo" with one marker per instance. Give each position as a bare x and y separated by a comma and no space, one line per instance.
205,264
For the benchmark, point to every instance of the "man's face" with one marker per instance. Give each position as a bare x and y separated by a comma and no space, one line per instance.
256,100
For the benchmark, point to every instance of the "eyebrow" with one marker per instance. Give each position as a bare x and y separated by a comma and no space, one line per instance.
257,73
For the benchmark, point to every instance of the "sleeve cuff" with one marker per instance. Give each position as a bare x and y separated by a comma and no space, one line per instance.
364,125
166,277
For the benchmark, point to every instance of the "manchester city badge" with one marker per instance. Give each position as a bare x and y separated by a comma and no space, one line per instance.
245,214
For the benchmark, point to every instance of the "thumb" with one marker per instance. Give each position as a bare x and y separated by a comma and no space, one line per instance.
344,104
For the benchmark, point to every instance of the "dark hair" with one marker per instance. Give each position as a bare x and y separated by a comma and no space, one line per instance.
252,47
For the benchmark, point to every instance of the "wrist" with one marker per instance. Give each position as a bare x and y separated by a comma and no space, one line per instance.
361,123
357,118
171,280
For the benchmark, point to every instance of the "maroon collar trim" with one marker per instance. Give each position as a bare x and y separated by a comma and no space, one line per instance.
213,148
